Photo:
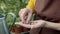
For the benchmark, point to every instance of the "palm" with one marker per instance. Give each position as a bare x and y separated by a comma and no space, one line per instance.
36,24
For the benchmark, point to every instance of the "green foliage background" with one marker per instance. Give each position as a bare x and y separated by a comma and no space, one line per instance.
13,6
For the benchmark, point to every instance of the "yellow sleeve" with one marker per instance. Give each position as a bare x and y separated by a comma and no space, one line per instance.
31,4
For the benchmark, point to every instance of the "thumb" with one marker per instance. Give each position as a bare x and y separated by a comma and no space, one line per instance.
24,25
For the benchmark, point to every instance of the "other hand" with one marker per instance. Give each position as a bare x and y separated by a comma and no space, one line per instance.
25,15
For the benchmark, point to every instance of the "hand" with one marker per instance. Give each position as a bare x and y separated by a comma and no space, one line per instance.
25,15
36,24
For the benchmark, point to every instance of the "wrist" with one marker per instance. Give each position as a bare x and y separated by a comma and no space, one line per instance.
44,23
48,24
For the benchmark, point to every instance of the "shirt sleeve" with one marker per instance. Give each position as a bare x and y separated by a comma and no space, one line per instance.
31,4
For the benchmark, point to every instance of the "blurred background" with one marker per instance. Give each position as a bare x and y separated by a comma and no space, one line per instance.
13,6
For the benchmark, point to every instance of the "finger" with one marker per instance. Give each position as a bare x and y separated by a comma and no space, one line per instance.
24,15
21,14
29,15
24,25
27,22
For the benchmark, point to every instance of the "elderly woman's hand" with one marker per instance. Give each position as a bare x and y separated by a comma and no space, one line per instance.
25,15
36,24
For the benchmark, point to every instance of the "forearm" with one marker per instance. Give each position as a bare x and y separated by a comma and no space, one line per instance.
52,25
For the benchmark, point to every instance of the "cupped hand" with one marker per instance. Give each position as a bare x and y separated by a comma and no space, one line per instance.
36,24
